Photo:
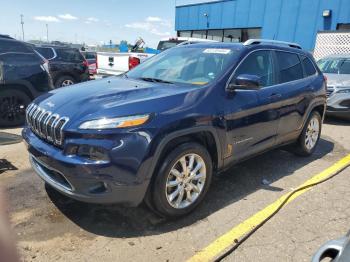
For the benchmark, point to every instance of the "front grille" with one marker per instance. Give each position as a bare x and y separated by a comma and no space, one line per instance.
330,90
45,124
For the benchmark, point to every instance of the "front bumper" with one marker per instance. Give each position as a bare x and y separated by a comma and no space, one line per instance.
338,105
91,182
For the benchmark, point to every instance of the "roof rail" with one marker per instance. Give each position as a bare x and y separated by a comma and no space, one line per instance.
271,42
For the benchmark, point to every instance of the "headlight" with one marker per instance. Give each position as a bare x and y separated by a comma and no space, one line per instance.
118,122
343,91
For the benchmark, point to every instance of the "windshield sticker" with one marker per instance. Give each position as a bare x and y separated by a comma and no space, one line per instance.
217,51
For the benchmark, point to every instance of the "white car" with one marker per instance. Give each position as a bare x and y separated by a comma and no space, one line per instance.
167,43
112,63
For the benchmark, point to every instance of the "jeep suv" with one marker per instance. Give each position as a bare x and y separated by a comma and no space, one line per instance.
67,65
24,76
160,131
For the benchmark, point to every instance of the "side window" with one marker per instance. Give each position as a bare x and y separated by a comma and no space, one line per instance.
290,68
46,52
69,55
308,66
259,63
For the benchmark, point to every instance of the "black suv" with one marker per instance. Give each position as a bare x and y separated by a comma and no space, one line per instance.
23,76
67,65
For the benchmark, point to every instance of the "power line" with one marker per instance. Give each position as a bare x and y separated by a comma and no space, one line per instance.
22,23
47,32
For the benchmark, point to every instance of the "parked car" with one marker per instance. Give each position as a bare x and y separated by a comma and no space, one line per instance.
337,70
91,58
24,75
160,131
167,43
67,65
113,63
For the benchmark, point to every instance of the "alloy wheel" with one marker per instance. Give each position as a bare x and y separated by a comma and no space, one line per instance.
12,108
185,181
312,133
67,82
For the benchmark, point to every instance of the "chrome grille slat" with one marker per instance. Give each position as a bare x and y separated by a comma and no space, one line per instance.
45,124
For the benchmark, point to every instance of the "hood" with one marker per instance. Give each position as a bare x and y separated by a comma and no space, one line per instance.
113,97
339,81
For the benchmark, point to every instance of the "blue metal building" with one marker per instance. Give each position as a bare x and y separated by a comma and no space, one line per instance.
286,20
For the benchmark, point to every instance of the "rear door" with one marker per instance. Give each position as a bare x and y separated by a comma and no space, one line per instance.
252,115
296,92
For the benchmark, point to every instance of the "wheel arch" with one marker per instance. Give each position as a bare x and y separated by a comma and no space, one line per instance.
20,86
318,105
206,136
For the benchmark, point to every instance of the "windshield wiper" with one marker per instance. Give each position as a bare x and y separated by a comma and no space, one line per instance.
156,80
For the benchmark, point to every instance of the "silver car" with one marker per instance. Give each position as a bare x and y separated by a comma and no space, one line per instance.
337,250
337,70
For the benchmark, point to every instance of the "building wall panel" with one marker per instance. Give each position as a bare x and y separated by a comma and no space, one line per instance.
287,20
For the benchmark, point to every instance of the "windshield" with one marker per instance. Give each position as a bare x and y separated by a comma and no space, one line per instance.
334,65
189,65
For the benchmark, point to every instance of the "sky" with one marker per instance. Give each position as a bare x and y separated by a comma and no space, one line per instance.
90,21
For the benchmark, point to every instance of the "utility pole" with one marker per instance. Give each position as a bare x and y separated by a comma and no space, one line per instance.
47,32
22,23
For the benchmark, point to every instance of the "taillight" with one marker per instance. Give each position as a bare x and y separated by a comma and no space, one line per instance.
85,63
325,79
133,62
96,61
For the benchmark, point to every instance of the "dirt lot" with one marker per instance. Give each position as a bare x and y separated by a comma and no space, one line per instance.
51,227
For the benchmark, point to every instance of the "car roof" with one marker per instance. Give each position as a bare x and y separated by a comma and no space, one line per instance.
6,37
338,56
241,46
56,47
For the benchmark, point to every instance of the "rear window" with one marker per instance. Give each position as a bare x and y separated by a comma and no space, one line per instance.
46,52
290,68
7,46
69,55
89,55
164,45
308,66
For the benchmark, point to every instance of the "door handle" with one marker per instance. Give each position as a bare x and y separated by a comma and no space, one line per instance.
275,96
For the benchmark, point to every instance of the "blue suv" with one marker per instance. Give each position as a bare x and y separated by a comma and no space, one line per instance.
159,132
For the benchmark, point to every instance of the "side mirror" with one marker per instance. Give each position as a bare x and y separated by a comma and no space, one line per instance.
245,82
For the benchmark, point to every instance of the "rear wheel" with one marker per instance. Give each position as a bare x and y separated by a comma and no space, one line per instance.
64,81
310,135
182,181
13,104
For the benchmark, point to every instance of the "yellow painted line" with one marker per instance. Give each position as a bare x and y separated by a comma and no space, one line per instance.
227,240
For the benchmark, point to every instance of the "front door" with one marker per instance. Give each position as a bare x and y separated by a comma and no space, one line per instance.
252,116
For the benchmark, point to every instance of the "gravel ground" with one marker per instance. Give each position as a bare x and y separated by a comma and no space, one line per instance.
51,227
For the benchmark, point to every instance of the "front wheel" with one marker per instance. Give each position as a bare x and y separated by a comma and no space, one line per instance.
182,181
310,135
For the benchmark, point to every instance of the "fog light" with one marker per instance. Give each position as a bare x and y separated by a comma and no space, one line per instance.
93,153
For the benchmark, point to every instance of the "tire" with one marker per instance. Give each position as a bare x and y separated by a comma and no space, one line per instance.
309,137
13,104
64,81
165,201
